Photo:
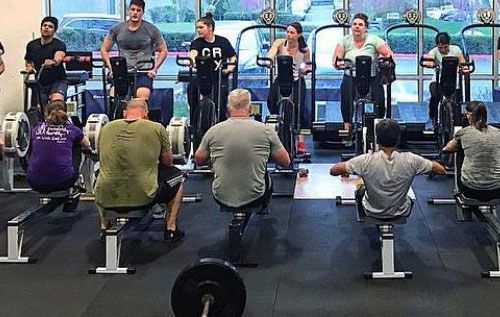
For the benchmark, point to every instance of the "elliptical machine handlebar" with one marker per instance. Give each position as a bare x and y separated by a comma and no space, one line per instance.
264,61
343,63
467,67
225,65
384,62
150,62
33,72
428,62
184,61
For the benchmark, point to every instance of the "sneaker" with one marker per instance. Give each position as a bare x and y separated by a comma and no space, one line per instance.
158,211
170,236
301,147
429,125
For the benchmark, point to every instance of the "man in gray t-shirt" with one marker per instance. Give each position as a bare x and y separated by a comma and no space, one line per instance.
137,40
239,149
387,174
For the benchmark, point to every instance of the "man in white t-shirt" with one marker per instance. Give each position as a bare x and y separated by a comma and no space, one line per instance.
443,48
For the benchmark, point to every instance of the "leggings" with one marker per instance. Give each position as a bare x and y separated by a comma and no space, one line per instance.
305,113
349,94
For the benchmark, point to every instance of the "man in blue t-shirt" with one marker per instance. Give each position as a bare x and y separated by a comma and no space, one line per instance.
49,52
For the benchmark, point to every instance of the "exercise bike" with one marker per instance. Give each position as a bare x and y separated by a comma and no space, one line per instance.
450,107
287,122
365,109
206,112
33,104
125,83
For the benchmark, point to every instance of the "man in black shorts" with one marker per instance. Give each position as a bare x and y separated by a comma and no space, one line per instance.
48,52
130,176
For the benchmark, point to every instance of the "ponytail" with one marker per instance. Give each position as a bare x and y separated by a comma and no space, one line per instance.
302,44
479,114
56,113
208,20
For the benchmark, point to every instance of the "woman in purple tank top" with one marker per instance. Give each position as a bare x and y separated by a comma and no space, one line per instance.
55,149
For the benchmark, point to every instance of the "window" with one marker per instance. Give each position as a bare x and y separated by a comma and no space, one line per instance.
84,23
452,16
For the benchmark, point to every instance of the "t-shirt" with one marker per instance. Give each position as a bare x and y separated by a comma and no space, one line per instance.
387,180
481,166
454,51
51,159
220,49
37,53
129,151
369,48
239,150
138,45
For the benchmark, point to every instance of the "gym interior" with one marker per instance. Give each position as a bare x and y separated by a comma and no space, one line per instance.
311,255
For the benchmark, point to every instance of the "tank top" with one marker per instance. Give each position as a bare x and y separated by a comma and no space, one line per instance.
298,59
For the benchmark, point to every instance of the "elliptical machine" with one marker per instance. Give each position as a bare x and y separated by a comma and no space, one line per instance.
450,108
122,83
287,122
365,109
204,114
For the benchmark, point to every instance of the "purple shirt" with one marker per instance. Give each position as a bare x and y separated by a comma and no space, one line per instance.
51,159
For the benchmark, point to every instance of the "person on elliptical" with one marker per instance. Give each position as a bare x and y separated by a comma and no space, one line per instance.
239,149
135,176
387,174
293,45
2,65
56,146
480,142
221,50
137,41
49,52
360,43
443,48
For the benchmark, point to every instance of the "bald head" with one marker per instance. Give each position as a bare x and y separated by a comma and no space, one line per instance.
239,99
137,108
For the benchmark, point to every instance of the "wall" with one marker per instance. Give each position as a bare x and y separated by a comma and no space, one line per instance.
20,21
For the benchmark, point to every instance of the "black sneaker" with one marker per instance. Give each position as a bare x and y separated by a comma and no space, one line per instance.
170,236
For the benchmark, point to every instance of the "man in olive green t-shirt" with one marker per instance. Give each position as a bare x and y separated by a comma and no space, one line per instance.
135,164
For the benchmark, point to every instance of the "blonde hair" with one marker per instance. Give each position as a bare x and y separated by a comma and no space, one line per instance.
55,112
239,99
